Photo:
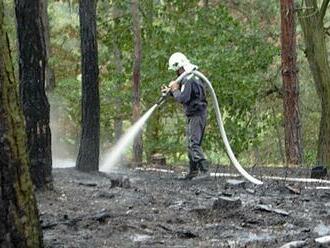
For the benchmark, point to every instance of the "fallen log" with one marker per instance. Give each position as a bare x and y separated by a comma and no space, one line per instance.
288,179
269,208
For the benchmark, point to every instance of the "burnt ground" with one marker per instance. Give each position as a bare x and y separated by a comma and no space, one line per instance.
155,209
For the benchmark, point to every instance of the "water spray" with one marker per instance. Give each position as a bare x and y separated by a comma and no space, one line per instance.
114,157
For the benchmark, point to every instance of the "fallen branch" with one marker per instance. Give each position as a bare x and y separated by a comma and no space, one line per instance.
289,179
322,187
293,190
269,208
100,216
154,169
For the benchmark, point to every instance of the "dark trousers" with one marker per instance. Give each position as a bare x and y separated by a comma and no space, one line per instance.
195,132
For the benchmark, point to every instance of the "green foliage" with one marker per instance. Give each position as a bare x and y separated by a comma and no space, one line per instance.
65,41
233,43
233,56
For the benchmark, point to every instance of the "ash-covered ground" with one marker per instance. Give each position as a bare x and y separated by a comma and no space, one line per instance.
155,209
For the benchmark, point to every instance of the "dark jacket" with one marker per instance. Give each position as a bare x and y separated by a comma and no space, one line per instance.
192,95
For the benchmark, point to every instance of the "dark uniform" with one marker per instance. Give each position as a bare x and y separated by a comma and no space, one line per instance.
192,95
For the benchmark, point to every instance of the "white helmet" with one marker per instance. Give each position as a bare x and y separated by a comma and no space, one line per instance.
177,60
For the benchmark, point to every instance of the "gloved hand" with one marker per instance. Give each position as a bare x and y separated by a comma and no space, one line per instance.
174,86
164,89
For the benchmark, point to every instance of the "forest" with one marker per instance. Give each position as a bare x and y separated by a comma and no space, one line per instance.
246,74
81,83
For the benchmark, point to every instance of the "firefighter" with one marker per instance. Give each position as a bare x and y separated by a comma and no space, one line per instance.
190,92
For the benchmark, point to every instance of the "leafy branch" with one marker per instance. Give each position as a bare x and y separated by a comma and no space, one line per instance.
327,30
323,9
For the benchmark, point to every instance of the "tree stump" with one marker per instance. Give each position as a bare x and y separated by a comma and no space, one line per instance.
319,172
158,159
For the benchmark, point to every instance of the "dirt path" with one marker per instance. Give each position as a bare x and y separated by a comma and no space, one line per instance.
153,209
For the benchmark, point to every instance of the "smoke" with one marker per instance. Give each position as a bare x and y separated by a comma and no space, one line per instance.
63,153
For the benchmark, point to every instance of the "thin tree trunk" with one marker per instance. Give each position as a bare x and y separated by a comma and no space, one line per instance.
118,120
154,125
88,155
292,125
137,145
32,62
311,20
19,223
49,73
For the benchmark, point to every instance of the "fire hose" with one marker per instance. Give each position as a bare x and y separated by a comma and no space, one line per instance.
229,151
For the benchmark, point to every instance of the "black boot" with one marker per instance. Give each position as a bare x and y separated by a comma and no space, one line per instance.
193,171
203,166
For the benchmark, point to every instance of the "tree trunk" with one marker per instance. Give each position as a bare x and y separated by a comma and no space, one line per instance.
49,73
137,145
88,156
118,119
292,125
311,20
32,62
154,124
19,223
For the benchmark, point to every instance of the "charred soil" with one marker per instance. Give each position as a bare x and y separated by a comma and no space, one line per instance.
155,209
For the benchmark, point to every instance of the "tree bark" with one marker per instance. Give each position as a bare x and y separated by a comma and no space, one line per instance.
311,20
19,223
154,125
292,125
32,62
118,121
137,145
88,155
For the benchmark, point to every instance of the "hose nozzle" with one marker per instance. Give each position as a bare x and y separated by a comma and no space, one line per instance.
165,92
